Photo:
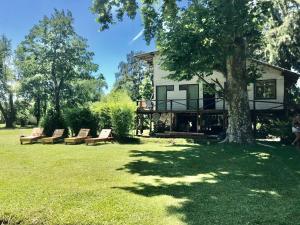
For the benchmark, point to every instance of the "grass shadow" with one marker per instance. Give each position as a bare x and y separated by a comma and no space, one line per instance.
222,184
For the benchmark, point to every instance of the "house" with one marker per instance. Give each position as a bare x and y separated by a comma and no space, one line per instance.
196,106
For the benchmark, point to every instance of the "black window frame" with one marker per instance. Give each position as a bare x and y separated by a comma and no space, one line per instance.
168,88
265,98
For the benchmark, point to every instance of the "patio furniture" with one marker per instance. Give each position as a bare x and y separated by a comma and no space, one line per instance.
37,133
104,136
82,135
57,136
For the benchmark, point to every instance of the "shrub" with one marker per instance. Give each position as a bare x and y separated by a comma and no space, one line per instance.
115,111
52,121
122,120
78,118
282,129
102,111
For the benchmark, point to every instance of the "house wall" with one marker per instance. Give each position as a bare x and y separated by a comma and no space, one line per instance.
179,96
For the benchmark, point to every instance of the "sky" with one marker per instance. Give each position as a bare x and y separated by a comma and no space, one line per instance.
17,17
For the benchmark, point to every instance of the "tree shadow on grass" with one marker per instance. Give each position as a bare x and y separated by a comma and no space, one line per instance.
222,184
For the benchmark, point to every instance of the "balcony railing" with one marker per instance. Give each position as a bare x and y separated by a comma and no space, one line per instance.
201,104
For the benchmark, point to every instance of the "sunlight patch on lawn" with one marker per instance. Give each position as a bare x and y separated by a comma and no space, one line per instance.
261,155
210,178
273,193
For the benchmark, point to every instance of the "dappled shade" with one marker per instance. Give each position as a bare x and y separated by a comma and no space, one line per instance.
221,184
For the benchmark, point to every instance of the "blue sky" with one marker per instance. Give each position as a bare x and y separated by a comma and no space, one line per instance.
110,47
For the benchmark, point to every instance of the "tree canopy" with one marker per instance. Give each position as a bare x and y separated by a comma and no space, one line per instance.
281,38
7,107
53,58
134,76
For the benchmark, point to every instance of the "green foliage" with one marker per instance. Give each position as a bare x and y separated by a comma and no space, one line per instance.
122,120
53,58
132,75
279,128
51,121
103,113
23,112
146,89
78,118
116,111
7,108
281,38
199,37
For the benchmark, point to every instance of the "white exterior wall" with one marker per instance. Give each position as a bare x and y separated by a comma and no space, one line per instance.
159,78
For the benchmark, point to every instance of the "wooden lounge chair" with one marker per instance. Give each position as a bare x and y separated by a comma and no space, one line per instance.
37,133
57,135
105,135
82,135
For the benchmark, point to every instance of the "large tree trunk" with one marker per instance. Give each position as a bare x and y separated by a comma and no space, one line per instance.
38,109
239,122
57,101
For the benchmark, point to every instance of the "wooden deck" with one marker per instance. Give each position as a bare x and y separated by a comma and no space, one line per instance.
174,134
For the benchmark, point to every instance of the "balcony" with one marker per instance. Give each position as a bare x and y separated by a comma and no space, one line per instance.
203,105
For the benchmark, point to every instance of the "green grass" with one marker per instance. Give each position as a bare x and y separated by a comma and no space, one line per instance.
155,182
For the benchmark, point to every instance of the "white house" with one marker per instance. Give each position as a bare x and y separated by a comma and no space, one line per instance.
194,105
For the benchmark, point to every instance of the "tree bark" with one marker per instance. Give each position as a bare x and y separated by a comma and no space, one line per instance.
38,109
239,121
56,101
9,113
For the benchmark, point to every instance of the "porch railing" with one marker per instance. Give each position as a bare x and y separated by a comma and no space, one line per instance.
201,104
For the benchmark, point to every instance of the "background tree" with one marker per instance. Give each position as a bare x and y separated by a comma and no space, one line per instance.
132,75
196,38
281,32
85,91
7,82
53,57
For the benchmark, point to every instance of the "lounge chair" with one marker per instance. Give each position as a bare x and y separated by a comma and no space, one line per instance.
104,136
57,135
82,135
37,133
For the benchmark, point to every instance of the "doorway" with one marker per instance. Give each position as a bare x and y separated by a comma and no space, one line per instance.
186,122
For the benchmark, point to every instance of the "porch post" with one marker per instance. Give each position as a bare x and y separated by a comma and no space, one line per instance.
171,115
254,118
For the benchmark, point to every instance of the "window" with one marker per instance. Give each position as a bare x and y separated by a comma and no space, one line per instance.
265,89
161,96
192,95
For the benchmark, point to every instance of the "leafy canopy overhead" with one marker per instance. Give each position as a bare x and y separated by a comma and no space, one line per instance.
196,36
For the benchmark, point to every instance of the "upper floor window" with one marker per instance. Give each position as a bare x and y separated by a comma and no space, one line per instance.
265,89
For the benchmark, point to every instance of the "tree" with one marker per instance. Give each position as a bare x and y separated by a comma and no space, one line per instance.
199,37
281,32
85,91
6,83
131,76
53,57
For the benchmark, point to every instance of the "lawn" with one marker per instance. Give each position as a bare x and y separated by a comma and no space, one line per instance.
155,182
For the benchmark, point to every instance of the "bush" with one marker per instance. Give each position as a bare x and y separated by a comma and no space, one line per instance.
102,111
52,121
116,111
122,120
282,129
78,118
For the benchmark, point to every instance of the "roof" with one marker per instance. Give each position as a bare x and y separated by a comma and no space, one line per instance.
284,71
148,57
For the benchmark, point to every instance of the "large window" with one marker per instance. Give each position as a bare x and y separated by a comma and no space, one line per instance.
265,89
192,95
161,96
